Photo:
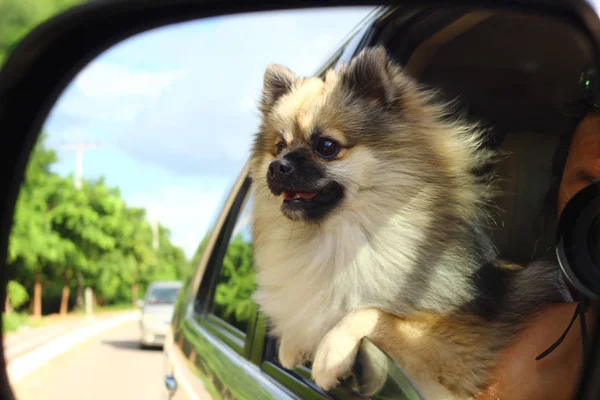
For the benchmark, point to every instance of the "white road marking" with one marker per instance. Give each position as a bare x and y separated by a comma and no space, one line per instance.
26,364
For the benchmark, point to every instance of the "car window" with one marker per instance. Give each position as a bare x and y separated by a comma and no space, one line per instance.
235,282
164,295
395,385
223,303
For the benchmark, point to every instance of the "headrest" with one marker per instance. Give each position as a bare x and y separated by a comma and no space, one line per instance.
522,231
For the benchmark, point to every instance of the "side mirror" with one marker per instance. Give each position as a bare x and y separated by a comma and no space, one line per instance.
140,303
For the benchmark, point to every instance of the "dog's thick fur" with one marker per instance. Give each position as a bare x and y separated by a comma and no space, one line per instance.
403,259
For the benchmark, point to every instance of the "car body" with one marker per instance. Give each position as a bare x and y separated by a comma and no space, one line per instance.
157,311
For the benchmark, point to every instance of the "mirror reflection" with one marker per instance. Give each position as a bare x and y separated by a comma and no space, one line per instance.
195,216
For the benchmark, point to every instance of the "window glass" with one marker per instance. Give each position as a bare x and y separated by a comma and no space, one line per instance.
163,295
236,282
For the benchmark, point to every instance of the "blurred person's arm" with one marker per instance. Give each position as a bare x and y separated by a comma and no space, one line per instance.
519,376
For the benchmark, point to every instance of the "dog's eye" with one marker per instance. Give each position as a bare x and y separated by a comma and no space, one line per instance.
280,147
327,147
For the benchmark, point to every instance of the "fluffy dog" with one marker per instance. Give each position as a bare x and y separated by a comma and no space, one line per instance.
368,220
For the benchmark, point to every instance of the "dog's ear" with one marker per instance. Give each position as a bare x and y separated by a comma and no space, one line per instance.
368,74
278,80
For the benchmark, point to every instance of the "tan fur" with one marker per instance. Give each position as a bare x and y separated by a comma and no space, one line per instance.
434,351
403,258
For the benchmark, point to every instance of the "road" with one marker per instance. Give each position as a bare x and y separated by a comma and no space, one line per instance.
19,343
107,366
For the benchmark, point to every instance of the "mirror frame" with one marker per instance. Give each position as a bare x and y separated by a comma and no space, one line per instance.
49,57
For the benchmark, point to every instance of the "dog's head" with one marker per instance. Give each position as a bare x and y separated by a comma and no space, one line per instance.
357,138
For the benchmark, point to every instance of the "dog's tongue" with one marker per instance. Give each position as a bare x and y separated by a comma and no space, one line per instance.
299,195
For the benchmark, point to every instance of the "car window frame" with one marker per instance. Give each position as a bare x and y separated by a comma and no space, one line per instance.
221,247
233,337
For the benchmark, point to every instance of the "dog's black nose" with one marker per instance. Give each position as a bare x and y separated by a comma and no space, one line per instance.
280,168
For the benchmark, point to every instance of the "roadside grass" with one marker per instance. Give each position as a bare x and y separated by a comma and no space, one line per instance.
19,320
108,308
16,320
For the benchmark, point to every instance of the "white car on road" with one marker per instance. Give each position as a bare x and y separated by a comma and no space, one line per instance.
157,310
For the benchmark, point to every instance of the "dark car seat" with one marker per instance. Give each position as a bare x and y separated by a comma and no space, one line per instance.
524,228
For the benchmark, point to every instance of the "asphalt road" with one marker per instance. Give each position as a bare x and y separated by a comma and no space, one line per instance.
109,366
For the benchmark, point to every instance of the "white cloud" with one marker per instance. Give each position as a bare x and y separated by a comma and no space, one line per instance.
204,122
101,79
186,211
104,92
93,110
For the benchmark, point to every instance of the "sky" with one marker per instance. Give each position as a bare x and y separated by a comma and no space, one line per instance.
172,111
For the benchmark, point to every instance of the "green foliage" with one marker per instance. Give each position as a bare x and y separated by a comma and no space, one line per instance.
13,321
233,294
61,233
17,294
18,17
34,245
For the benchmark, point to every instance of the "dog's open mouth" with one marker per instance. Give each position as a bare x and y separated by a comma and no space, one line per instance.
299,195
311,204
325,195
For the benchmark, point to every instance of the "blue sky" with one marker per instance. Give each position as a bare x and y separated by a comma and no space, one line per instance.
174,109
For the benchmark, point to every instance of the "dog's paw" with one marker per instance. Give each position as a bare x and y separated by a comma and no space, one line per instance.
290,356
334,358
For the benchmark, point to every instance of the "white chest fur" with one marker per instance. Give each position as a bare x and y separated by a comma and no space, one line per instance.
309,280
305,285
311,276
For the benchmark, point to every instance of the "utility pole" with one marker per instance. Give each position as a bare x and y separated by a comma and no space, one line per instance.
79,148
155,232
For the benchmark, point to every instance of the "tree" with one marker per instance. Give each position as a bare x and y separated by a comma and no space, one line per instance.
18,17
60,232
233,294
34,246
138,245
87,218
171,262
16,296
